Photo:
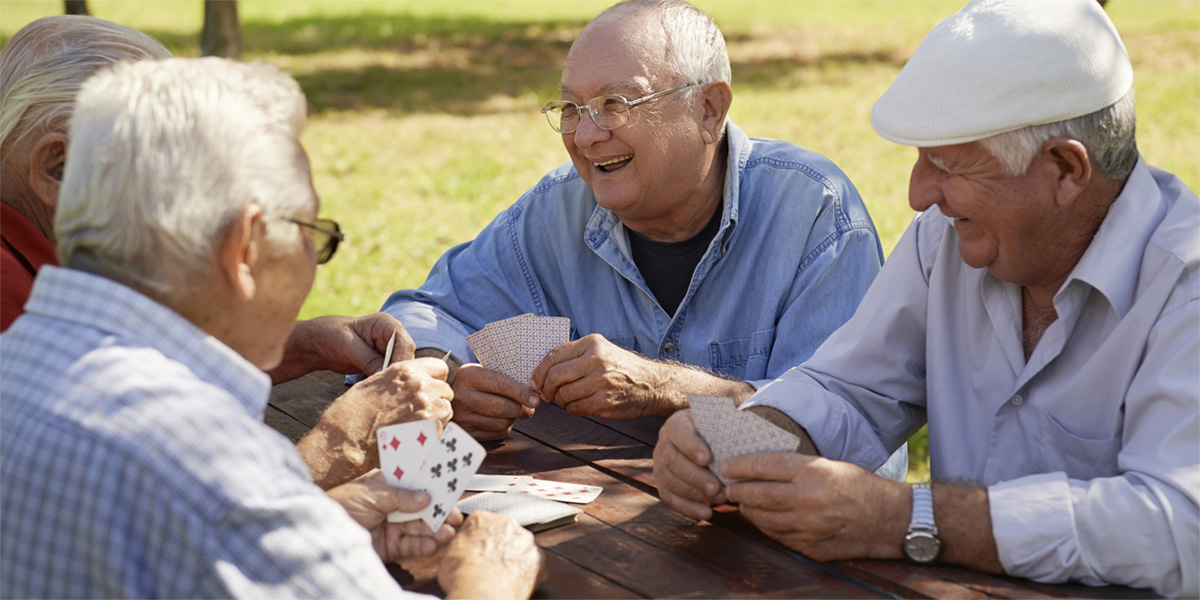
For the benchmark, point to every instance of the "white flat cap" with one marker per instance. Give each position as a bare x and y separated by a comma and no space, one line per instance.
1000,65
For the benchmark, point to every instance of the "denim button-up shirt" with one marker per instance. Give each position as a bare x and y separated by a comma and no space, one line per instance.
795,252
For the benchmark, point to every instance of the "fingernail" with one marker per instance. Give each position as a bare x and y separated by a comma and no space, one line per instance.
710,488
421,496
699,457
534,401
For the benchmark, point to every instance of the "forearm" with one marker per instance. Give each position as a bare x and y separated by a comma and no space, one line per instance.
964,524
298,358
780,419
676,381
452,362
335,455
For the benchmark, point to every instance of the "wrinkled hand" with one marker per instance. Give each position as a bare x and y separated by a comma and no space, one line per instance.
369,500
681,460
593,376
488,403
491,557
826,510
344,345
342,445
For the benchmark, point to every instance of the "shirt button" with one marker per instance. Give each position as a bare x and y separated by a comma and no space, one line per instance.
669,347
1018,400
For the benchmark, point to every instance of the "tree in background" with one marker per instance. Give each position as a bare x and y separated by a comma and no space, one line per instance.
222,35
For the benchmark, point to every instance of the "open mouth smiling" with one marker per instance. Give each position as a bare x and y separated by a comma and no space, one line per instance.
612,164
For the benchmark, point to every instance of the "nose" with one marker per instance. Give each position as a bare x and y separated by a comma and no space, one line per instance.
924,185
588,133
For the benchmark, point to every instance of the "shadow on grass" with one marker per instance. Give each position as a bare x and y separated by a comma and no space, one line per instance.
457,65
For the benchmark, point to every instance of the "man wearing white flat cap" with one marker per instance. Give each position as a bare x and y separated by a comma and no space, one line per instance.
1042,314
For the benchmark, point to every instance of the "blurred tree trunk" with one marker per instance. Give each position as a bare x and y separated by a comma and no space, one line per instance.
222,34
76,7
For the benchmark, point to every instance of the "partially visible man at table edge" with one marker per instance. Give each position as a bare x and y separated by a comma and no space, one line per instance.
689,257
41,69
1043,314
133,459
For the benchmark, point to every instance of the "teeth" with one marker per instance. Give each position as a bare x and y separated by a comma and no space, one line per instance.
613,161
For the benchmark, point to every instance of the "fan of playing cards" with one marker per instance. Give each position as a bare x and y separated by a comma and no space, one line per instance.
516,345
731,432
412,456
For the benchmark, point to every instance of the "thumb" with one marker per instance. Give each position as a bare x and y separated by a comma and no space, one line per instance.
400,500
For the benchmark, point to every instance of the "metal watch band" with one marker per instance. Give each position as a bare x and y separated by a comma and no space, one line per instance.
922,510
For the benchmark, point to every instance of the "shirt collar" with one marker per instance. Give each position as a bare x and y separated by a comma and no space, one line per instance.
136,320
604,221
1112,260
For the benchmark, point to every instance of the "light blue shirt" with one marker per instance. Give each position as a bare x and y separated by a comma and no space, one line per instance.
1091,448
134,463
795,252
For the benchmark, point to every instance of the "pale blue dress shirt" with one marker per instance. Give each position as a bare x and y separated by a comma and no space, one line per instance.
795,252
134,463
1090,450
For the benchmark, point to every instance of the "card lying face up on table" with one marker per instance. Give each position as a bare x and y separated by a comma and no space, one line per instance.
516,345
413,457
731,432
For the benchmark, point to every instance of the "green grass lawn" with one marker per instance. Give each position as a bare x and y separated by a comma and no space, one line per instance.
424,115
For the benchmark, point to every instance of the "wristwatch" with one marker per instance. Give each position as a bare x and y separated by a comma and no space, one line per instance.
922,545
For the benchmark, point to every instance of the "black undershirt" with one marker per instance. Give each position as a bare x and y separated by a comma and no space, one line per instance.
667,267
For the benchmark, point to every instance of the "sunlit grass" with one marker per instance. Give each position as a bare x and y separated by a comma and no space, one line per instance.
423,115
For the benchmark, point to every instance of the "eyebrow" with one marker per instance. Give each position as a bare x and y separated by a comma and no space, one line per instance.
936,160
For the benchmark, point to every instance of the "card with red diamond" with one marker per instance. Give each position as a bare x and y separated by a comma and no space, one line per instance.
403,448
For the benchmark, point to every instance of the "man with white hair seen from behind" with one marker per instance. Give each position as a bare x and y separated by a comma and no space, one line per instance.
133,459
1042,314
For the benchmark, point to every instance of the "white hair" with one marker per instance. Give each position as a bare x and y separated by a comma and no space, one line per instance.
695,46
165,155
45,63
1108,135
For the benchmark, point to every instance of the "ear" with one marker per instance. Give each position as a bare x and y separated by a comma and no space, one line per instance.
717,98
239,252
1071,165
46,164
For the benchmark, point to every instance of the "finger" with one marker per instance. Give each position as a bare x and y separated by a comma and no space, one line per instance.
476,377
682,476
680,429
428,366
581,372
563,352
770,466
686,507
594,404
484,429
763,495
400,500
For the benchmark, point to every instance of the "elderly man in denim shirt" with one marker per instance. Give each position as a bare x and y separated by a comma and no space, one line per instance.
689,257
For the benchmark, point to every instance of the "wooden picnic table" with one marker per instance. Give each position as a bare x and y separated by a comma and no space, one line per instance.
629,544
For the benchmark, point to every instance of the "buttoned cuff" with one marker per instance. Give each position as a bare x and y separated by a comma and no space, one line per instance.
1033,522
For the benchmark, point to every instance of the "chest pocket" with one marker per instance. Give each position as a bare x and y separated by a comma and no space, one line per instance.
1079,458
744,359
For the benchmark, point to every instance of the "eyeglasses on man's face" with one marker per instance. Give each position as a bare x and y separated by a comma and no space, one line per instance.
326,235
608,112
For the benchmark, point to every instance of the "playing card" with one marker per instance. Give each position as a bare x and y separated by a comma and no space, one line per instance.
387,356
516,345
556,490
530,512
731,432
493,483
444,475
403,448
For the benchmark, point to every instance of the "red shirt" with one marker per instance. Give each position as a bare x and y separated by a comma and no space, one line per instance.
23,250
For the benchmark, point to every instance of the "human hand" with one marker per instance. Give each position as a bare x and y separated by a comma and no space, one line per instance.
491,557
342,445
681,460
369,500
488,403
593,376
825,509
344,345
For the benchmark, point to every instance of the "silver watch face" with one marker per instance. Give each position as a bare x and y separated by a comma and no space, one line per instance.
922,547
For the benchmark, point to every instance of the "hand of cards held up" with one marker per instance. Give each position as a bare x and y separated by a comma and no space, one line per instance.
516,345
411,456
731,432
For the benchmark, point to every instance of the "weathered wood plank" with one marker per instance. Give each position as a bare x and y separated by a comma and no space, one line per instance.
285,424
306,398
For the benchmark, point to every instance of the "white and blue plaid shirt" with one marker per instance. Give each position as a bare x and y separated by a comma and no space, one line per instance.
134,463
